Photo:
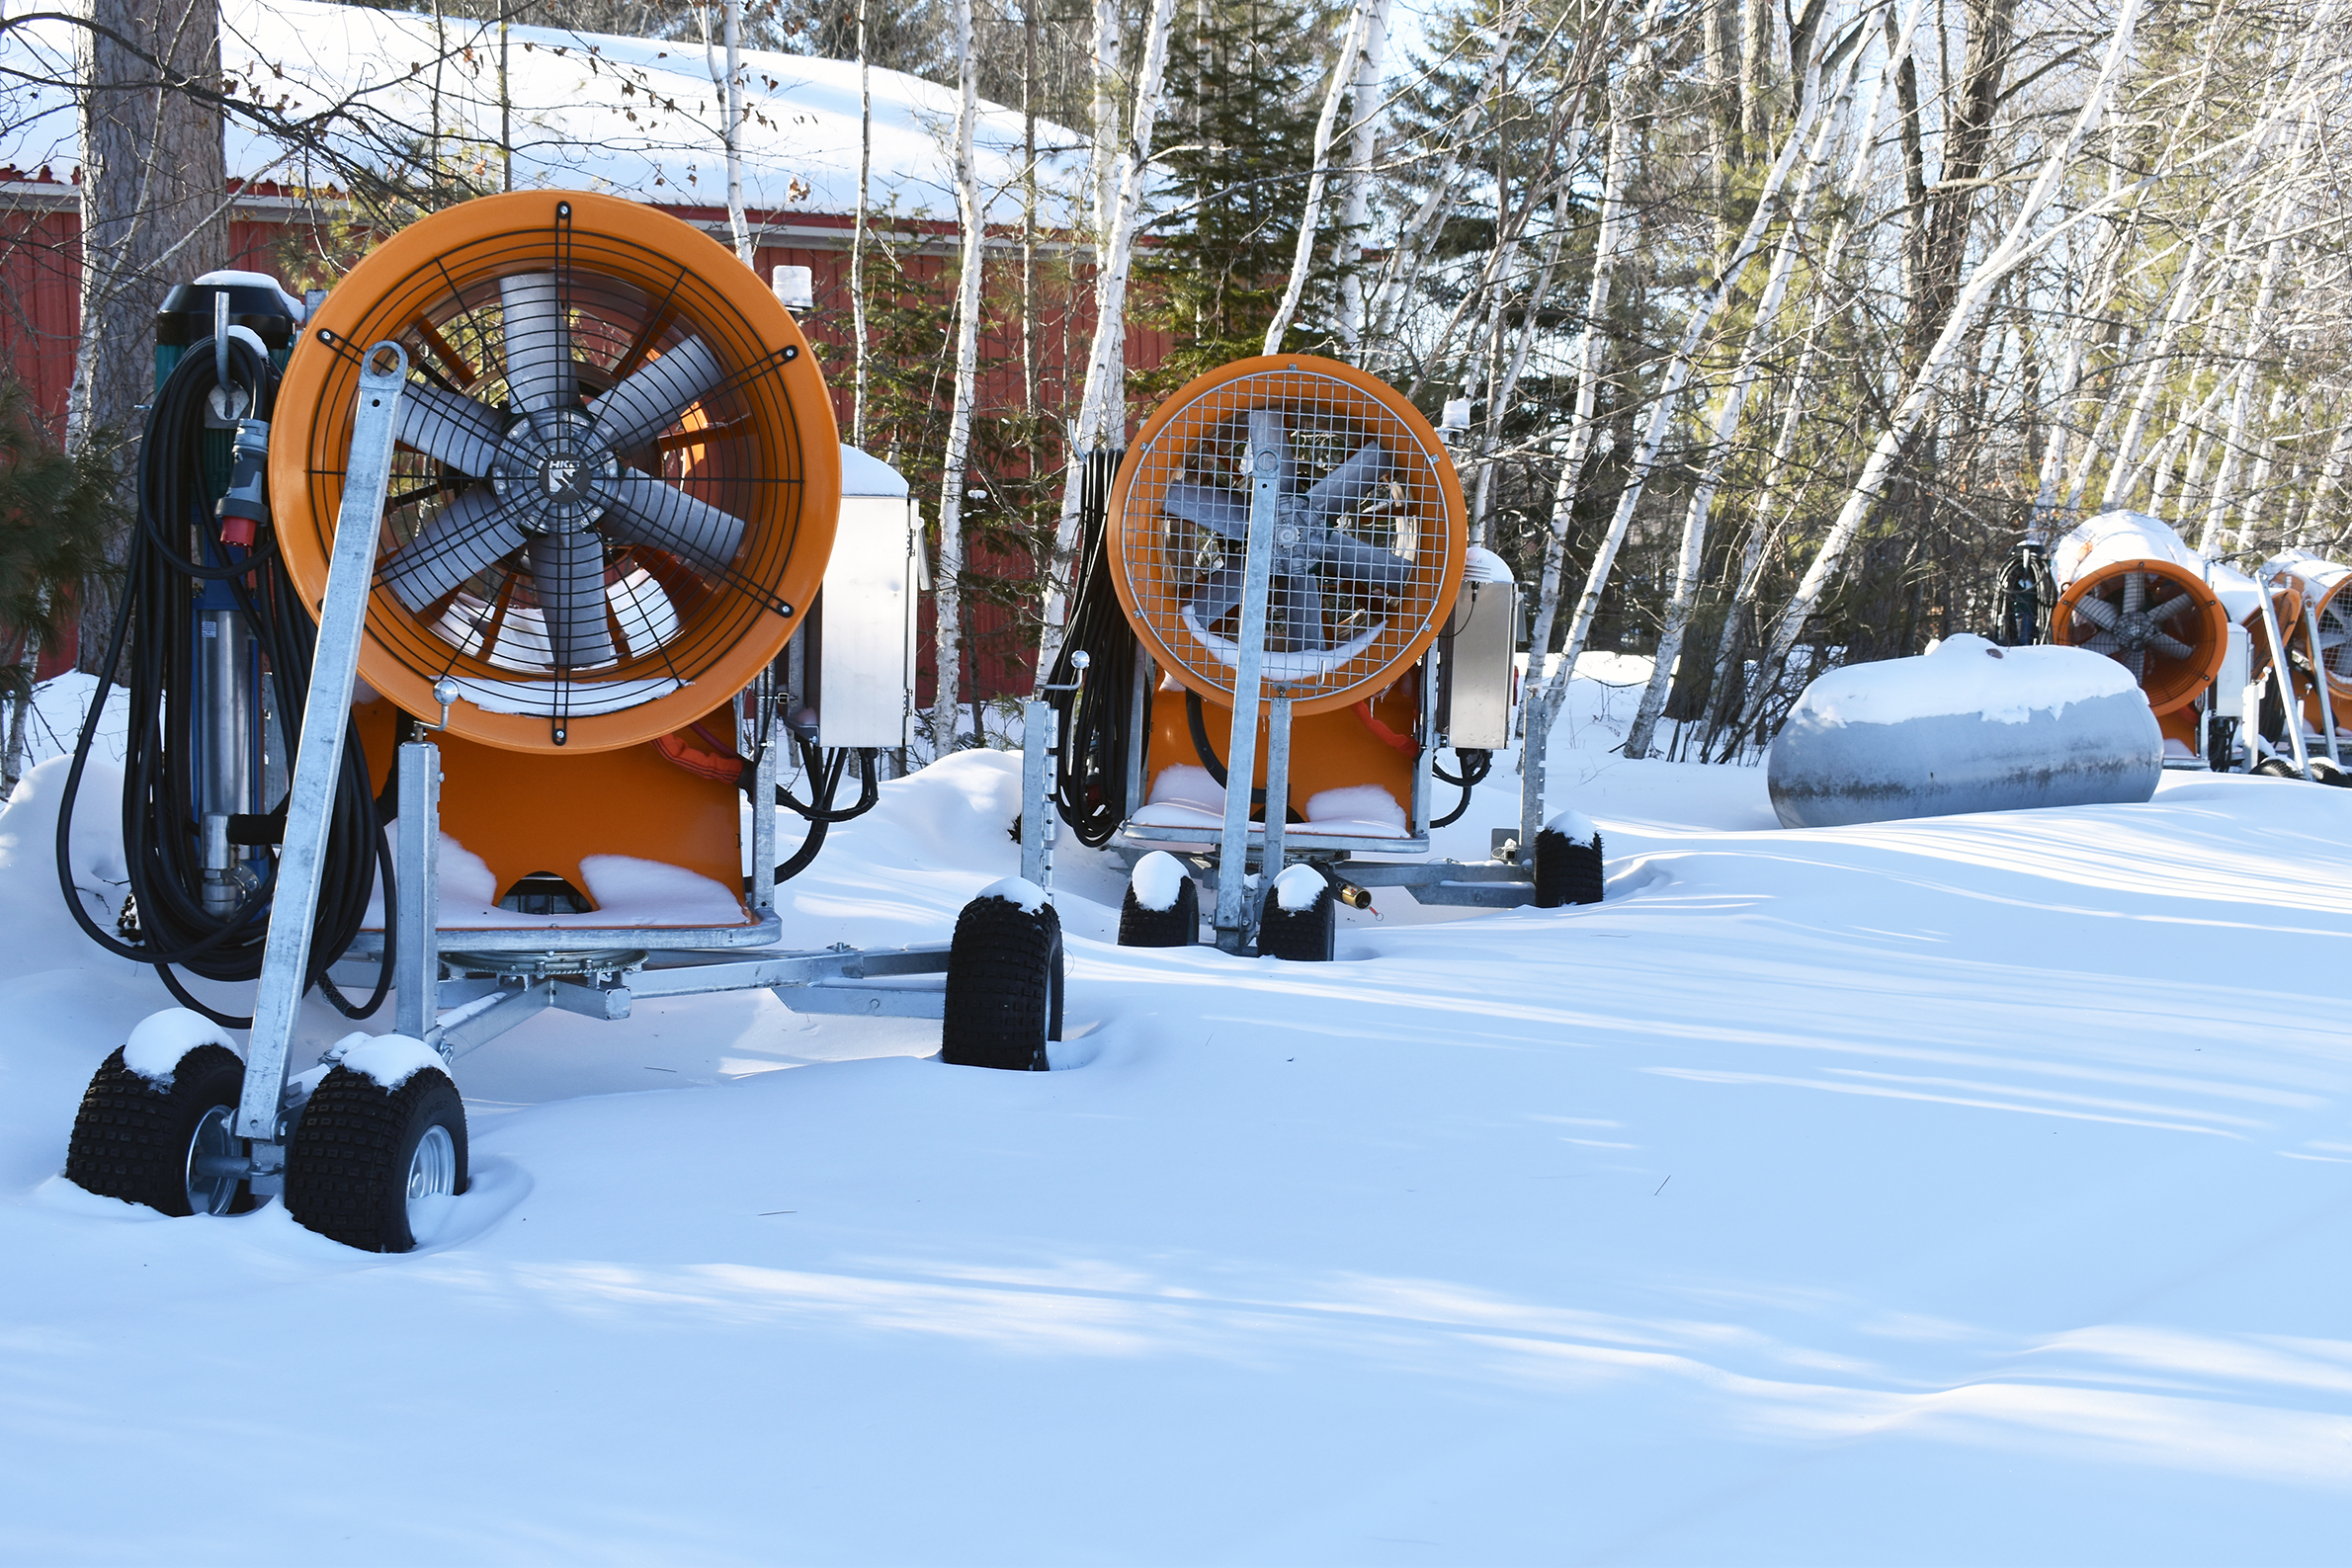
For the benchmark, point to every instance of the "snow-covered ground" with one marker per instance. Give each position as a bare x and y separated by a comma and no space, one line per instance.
1970,1191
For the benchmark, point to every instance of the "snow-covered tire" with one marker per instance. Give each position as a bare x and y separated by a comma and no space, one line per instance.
1566,872
1004,986
140,1140
1178,925
362,1156
2276,768
1304,936
2324,770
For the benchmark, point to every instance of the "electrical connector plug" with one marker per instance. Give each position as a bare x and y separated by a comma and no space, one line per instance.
246,506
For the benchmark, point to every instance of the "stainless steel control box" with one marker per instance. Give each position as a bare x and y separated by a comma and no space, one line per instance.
1479,666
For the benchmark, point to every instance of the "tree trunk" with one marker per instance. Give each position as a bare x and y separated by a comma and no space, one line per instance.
857,236
1102,408
948,586
2016,248
1617,160
1343,75
154,213
1678,368
1363,145
1692,560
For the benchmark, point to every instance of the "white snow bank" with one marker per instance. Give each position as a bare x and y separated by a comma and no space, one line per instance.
1965,673
1364,805
155,1049
390,1059
625,889
1187,786
1016,890
1574,826
1158,879
1298,887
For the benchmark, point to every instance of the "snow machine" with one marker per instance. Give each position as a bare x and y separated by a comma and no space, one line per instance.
517,545
2132,590
2305,666
1280,628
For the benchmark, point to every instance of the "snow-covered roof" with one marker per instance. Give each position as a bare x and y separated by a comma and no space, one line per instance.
640,118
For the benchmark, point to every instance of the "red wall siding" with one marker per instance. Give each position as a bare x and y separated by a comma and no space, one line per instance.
40,261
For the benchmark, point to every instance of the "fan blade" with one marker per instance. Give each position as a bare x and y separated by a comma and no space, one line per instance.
1219,592
646,511
1350,558
450,427
2136,660
652,398
2097,611
474,532
1224,513
2169,646
568,572
2169,609
2135,592
1346,487
2105,643
540,374
1299,614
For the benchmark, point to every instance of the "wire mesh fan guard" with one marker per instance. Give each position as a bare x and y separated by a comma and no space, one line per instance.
1369,544
617,476
2157,619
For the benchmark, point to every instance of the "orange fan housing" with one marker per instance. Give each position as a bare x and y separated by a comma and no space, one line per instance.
618,473
2157,619
1369,545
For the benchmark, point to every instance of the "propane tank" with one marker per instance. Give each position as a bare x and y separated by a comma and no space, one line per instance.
1967,727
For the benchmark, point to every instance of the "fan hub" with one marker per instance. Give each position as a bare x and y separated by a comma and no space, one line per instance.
554,471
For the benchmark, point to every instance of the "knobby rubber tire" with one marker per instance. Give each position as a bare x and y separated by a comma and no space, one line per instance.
1004,987
1177,926
347,1166
1302,936
1566,872
130,1136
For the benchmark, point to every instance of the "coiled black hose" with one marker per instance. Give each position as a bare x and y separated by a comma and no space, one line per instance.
176,546
1090,771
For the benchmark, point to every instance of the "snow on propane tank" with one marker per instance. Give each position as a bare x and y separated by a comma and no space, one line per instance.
1965,727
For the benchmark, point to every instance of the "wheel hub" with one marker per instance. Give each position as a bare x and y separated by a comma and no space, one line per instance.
554,472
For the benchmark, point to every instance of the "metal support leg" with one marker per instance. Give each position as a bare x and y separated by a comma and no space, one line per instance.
318,760
1278,788
2320,693
225,652
1268,445
2281,674
763,816
1037,779
416,879
1532,763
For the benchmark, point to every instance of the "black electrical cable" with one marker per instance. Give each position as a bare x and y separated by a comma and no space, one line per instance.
820,799
177,545
824,783
1091,768
1476,766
